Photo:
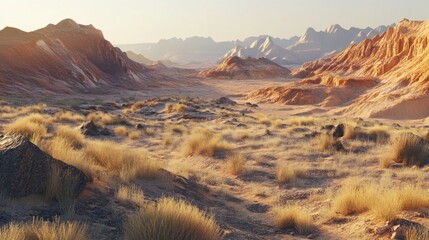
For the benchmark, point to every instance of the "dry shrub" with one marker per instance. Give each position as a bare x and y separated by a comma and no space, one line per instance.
32,126
293,216
71,135
204,142
134,135
385,201
63,149
378,134
131,193
288,174
102,118
149,132
128,163
60,187
175,108
171,219
324,142
409,149
235,164
10,112
302,121
167,139
68,116
121,131
44,230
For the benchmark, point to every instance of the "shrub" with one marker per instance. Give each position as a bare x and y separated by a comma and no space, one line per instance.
288,173
68,116
134,135
32,126
292,216
417,233
410,149
235,164
71,135
171,219
131,193
39,229
128,163
204,142
174,108
121,131
324,142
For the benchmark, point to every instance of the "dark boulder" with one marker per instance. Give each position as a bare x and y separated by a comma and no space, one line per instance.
25,169
224,101
339,131
90,129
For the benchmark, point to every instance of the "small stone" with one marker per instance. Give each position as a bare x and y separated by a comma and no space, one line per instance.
382,230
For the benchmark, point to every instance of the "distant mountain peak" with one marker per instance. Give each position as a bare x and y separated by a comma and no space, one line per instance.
334,28
68,23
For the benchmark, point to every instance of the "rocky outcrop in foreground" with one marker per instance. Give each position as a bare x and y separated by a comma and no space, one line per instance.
25,169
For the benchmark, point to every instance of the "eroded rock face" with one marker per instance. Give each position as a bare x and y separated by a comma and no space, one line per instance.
25,169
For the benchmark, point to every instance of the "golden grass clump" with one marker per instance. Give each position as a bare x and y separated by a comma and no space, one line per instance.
324,142
121,131
204,142
175,108
106,119
134,135
235,164
71,135
68,116
128,163
385,201
293,216
288,174
32,126
408,149
39,229
131,193
171,219
302,121
62,148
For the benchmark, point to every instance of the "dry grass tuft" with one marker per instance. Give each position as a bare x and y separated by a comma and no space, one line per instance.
32,126
408,149
204,142
235,164
175,108
68,116
128,163
60,187
288,174
46,230
171,219
292,216
121,131
131,193
102,118
302,121
134,135
385,201
71,135
324,142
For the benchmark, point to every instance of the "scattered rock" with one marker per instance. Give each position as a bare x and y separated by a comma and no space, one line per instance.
225,101
312,135
241,125
25,169
90,129
267,132
339,131
328,128
140,126
382,230
338,146
252,105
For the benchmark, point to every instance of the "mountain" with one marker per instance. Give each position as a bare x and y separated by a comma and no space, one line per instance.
249,68
385,77
63,58
139,58
284,43
264,48
314,45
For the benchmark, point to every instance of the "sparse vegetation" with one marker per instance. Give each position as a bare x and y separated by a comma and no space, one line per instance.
293,217
409,149
134,135
39,229
204,142
121,131
287,173
131,193
175,108
171,219
235,164
32,126
68,116
72,135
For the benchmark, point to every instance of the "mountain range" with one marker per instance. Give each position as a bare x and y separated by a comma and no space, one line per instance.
203,52
385,77
63,58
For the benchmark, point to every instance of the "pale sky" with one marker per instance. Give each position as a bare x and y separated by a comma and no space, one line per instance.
136,21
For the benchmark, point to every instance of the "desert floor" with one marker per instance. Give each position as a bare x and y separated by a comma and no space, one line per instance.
260,160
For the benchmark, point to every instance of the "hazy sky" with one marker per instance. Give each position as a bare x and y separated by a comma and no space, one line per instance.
134,21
